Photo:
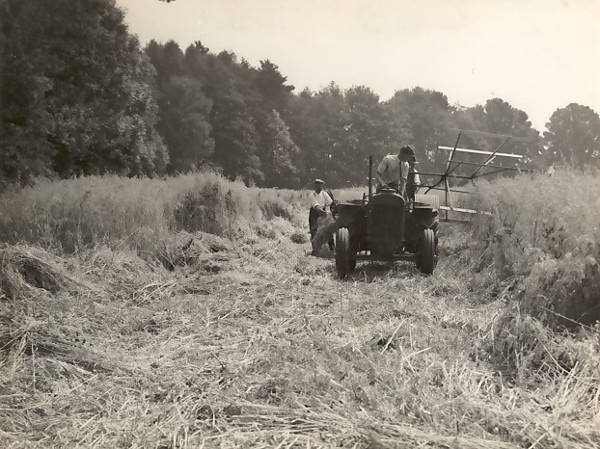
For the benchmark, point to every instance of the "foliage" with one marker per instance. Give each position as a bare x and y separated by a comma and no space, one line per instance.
422,118
271,85
320,127
25,123
277,153
226,84
573,136
498,116
366,132
79,99
183,109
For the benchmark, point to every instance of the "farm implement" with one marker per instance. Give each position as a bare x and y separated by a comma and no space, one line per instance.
484,167
385,226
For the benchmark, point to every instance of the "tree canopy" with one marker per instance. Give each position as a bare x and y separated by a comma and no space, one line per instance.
77,92
79,96
573,136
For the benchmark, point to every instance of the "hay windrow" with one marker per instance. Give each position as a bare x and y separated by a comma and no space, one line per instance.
242,340
25,268
255,357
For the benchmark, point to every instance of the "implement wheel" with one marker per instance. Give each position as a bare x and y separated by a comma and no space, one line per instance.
427,258
343,257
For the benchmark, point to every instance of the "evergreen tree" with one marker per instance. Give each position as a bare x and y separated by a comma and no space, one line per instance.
272,87
318,132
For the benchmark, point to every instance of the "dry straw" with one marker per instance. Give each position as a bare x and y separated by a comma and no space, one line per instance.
242,340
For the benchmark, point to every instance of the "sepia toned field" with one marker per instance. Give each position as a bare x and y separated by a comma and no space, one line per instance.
186,312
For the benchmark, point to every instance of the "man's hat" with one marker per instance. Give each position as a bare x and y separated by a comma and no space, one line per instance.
318,181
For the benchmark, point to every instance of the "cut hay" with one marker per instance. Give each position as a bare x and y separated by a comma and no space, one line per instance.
299,237
185,248
24,268
247,342
326,227
273,352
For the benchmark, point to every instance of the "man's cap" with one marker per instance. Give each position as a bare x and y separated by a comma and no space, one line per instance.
318,181
409,151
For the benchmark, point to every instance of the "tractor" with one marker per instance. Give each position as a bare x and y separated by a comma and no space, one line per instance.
387,227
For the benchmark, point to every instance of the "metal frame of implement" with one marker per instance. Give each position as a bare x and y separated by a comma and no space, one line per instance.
452,164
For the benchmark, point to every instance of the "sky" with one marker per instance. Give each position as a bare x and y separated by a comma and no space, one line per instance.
539,55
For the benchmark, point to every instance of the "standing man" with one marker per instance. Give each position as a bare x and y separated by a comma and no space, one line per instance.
319,207
394,168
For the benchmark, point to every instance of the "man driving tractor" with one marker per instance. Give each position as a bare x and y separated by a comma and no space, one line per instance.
398,171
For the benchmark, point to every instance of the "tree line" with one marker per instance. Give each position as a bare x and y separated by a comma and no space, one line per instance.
80,96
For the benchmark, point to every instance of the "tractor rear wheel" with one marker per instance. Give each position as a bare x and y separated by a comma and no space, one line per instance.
343,256
427,257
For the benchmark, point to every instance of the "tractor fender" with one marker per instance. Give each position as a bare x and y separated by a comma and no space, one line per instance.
351,216
427,218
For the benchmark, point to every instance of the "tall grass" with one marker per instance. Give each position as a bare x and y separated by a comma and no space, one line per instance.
543,240
540,248
74,214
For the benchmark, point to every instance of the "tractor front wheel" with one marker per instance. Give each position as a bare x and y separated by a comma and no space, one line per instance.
427,258
352,262
344,260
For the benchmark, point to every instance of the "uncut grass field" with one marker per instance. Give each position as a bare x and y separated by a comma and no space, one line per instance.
187,313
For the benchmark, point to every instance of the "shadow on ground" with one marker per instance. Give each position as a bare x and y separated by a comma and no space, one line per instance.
374,271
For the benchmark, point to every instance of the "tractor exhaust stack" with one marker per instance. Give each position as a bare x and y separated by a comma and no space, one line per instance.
370,178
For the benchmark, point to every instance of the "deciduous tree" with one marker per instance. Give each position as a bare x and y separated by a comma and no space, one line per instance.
184,109
499,117
84,103
573,136
277,154
421,117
